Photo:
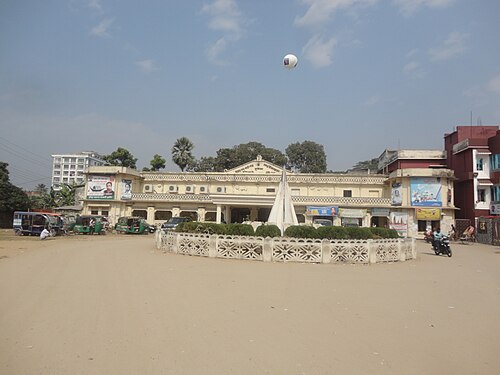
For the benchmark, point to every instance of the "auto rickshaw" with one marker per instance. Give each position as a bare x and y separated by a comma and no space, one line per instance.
32,223
133,224
82,224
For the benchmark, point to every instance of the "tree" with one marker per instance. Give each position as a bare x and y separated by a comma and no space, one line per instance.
121,157
181,153
371,165
157,163
12,198
41,189
306,157
228,158
205,164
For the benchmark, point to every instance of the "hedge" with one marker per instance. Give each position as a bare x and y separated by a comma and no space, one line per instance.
268,230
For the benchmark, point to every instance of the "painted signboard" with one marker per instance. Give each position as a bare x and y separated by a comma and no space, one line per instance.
396,194
126,190
425,192
101,187
322,210
399,222
428,213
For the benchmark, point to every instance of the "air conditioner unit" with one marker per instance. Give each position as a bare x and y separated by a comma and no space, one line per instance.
148,188
221,189
203,189
173,189
190,189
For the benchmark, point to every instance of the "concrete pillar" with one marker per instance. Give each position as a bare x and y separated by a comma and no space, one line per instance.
150,215
254,214
326,251
176,211
227,215
201,214
402,256
212,246
267,250
372,252
218,219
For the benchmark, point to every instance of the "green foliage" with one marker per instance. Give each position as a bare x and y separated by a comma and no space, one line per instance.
121,157
301,231
240,230
182,153
371,165
358,233
384,233
199,227
12,198
306,157
332,233
228,158
268,230
157,163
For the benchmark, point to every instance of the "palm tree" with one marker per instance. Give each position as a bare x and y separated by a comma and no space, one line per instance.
181,153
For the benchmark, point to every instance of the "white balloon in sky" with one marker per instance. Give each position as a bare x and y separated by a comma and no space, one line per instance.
290,61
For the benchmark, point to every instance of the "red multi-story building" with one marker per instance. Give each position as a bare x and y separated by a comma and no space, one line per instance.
473,153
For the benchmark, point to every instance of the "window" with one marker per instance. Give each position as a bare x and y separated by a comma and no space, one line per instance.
348,193
495,161
57,166
104,212
56,179
479,164
65,173
80,161
94,212
481,195
270,190
65,166
57,173
495,193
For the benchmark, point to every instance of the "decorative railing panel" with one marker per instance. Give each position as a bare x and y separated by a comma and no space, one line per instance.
296,250
240,247
286,249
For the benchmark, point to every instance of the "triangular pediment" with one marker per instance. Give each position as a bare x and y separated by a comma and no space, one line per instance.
257,166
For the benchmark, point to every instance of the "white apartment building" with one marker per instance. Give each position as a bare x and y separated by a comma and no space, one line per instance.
70,168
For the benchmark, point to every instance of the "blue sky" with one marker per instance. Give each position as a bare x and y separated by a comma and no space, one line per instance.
372,74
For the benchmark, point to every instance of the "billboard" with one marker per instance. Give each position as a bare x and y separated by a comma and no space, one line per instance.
126,190
101,187
322,211
399,222
428,213
396,194
426,192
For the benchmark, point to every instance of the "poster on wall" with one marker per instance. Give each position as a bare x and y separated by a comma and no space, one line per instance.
399,222
126,190
396,194
100,187
425,192
428,214
322,211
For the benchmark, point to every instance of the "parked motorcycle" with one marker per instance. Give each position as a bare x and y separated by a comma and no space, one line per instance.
443,246
428,236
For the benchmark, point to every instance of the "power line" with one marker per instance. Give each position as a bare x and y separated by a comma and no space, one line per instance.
22,148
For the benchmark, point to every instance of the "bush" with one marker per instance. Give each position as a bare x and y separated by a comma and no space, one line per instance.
332,233
384,233
268,230
301,231
199,227
239,229
358,233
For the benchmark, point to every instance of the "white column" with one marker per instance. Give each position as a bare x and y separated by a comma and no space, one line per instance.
219,214
227,215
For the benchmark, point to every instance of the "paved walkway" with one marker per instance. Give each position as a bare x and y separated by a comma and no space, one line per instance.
115,305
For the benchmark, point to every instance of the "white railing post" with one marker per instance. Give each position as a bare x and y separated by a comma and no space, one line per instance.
212,246
402,255
372,252
413,248
326,251
175,242
267,250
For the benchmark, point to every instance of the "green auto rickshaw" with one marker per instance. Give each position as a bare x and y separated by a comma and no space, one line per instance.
83,224
133,224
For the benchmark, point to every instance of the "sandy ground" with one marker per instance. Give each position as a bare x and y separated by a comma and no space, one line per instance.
115,305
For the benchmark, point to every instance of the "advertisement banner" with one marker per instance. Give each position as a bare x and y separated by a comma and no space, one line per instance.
357,213
495,208
322,211
425,192
126,190
428,213
380,212
399,222
100,187
397,194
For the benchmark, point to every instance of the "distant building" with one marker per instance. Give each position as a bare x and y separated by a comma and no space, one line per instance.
421,189
473,152
70,168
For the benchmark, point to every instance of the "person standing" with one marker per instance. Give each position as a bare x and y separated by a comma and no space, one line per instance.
92,226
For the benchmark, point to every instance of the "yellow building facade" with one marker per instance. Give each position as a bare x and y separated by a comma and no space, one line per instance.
246,194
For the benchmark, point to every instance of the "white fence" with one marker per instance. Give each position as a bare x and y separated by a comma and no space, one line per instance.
285,249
